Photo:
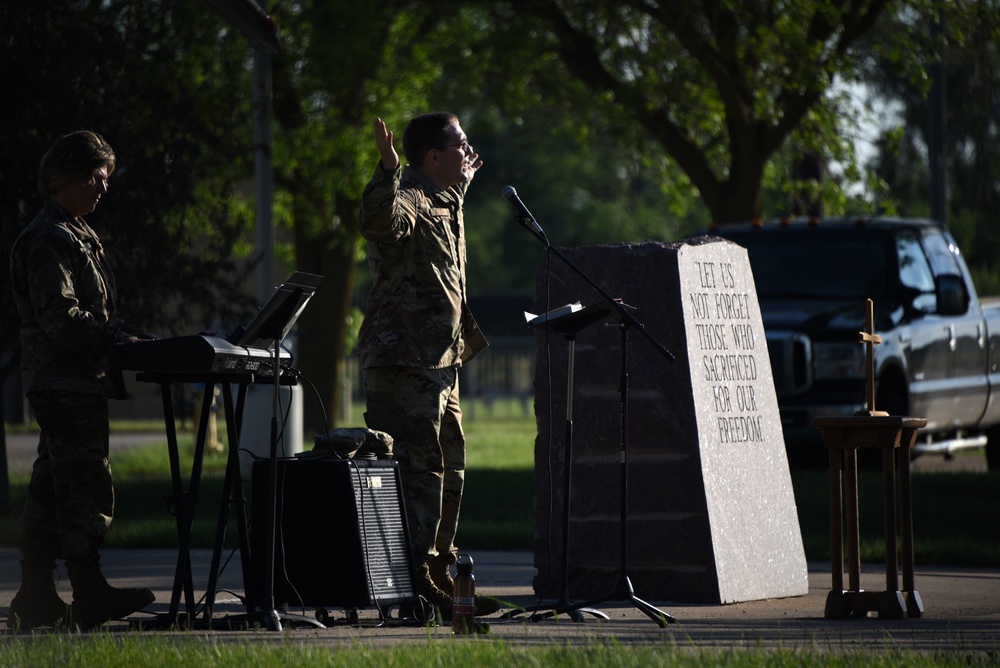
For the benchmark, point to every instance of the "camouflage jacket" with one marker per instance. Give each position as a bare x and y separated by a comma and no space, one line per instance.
65,295
417,313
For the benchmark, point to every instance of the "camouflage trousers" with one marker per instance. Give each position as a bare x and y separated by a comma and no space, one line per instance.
419,408
71,499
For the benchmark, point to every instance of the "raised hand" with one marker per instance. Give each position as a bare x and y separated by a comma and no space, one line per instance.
383,139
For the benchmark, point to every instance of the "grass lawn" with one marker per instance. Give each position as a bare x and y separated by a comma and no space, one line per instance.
59,650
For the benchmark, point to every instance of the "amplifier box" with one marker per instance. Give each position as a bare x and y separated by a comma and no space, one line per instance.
341,539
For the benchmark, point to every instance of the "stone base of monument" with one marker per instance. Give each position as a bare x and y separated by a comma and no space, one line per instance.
710,516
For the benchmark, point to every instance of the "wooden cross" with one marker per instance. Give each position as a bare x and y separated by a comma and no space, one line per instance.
870,339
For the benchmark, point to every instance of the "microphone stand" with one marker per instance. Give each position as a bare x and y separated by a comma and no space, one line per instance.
271,616
623,590
569,325
268,613
628,319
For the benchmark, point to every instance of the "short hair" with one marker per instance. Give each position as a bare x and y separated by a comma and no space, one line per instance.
425,132
74,156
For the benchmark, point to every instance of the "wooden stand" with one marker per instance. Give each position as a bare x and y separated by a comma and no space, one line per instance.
894,435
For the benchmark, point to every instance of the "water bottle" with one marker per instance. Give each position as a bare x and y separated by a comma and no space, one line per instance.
463,604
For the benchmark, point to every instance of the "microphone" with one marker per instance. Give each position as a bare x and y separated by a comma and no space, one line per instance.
523,215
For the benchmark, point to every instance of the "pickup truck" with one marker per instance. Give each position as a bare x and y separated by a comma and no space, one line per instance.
940,345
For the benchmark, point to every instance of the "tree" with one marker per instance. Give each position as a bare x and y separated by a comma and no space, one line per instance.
170,223
967,44
644,103
719,85
342,65
719,89
160,85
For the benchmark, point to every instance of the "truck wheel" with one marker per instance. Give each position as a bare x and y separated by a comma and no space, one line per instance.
892,403
993,448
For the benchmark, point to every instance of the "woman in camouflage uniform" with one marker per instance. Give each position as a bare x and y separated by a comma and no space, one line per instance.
65,295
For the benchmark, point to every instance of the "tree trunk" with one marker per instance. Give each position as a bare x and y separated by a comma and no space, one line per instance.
322,326
737,202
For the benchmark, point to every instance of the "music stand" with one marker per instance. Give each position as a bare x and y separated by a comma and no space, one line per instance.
623,590
276,318
268,329
568,323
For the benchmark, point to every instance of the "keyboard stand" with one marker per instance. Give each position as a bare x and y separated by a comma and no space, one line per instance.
182,503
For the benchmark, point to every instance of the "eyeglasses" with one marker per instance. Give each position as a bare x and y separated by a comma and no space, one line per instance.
464,147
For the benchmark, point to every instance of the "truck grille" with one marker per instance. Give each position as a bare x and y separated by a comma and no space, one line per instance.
791,362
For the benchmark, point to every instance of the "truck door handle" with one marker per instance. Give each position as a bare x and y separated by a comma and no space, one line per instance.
952,343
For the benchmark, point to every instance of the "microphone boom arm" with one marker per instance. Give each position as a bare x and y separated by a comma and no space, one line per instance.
628,319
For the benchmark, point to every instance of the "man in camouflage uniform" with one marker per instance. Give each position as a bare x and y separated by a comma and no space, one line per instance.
65,295
418,331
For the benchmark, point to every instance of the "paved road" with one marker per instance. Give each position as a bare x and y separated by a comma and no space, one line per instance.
961,612
974,461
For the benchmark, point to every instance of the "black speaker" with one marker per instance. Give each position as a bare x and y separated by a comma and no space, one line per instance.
341,539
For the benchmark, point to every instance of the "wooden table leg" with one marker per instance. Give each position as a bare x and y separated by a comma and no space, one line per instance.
836,603
892,605
836,519
844,436
914,606
853,521
889,520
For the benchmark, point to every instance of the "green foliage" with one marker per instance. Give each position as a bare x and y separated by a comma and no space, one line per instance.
618,121
986,279
965,35
588,190
164,87
718,86
342,64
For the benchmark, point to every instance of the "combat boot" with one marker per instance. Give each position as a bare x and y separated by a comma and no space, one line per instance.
95,601
440,571
433,604
37,603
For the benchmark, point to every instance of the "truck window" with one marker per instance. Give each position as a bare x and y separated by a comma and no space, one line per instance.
915,272
817,264
940,254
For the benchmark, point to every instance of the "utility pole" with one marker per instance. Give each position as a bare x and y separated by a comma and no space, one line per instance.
937,135
263,170
249,17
